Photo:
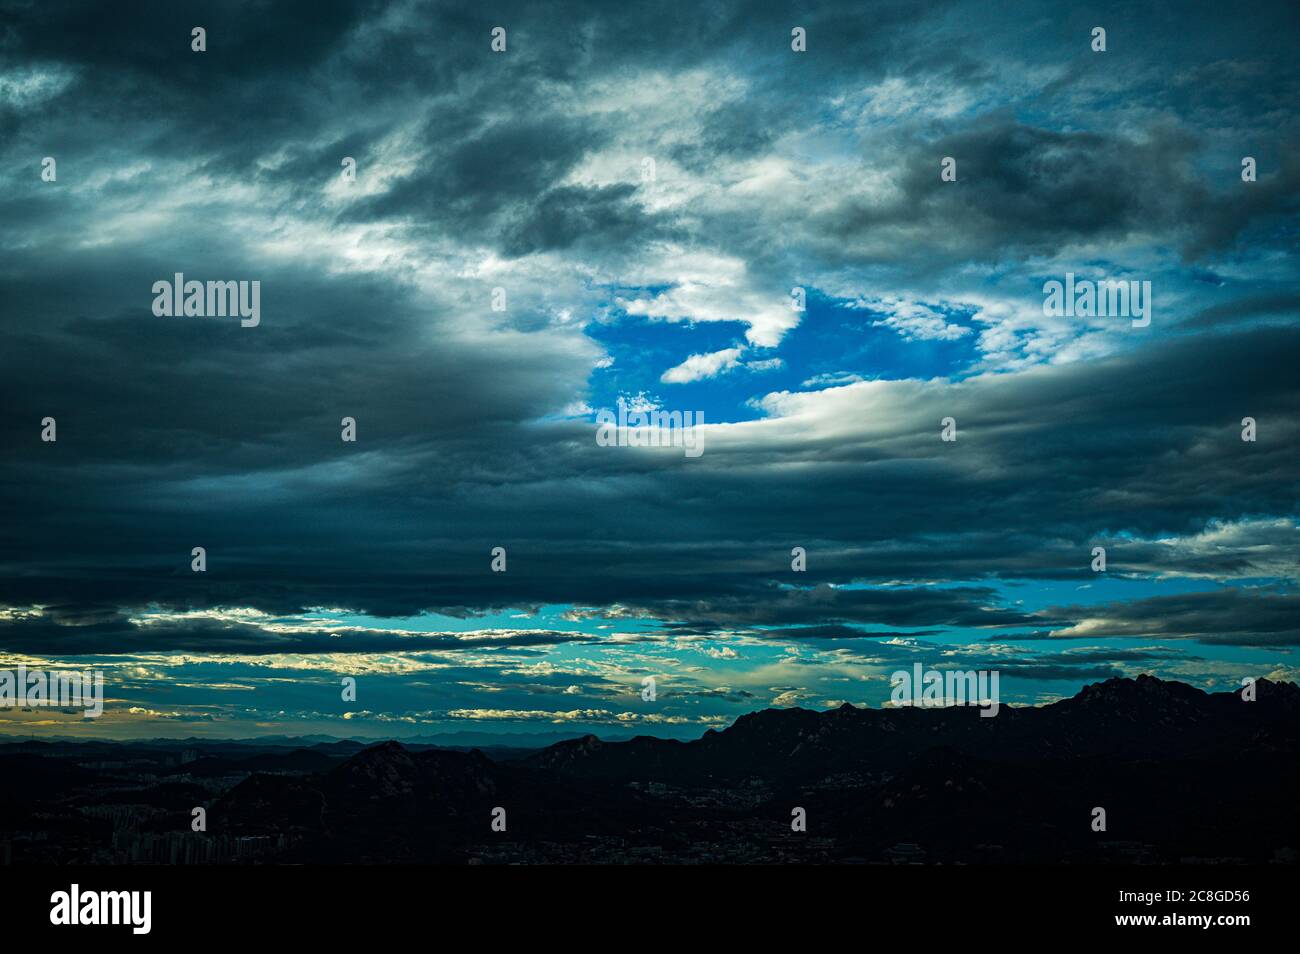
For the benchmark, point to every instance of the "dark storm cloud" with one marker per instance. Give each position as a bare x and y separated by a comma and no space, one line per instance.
1233,617
134,69
727,695
138,37
567,216
833,631
310,82
1032,636
492,139
292,518
485,174
1116,655
959,606
57,633
174,434
1283,305
1026,190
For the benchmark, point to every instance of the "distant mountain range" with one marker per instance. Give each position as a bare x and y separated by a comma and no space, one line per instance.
1143,718
1181,774
464,739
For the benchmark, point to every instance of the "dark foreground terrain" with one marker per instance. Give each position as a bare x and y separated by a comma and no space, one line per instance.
1183,776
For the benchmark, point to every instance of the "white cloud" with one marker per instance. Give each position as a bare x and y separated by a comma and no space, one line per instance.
700,366
715,288
832,379
915,321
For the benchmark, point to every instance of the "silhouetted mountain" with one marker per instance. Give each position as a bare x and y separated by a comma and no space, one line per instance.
1180,774
1120,718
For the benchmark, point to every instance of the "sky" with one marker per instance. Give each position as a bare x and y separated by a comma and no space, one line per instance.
647,185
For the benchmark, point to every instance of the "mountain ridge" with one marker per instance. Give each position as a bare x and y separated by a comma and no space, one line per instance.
1101,719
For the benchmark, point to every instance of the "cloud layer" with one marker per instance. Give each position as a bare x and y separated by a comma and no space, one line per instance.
621,206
